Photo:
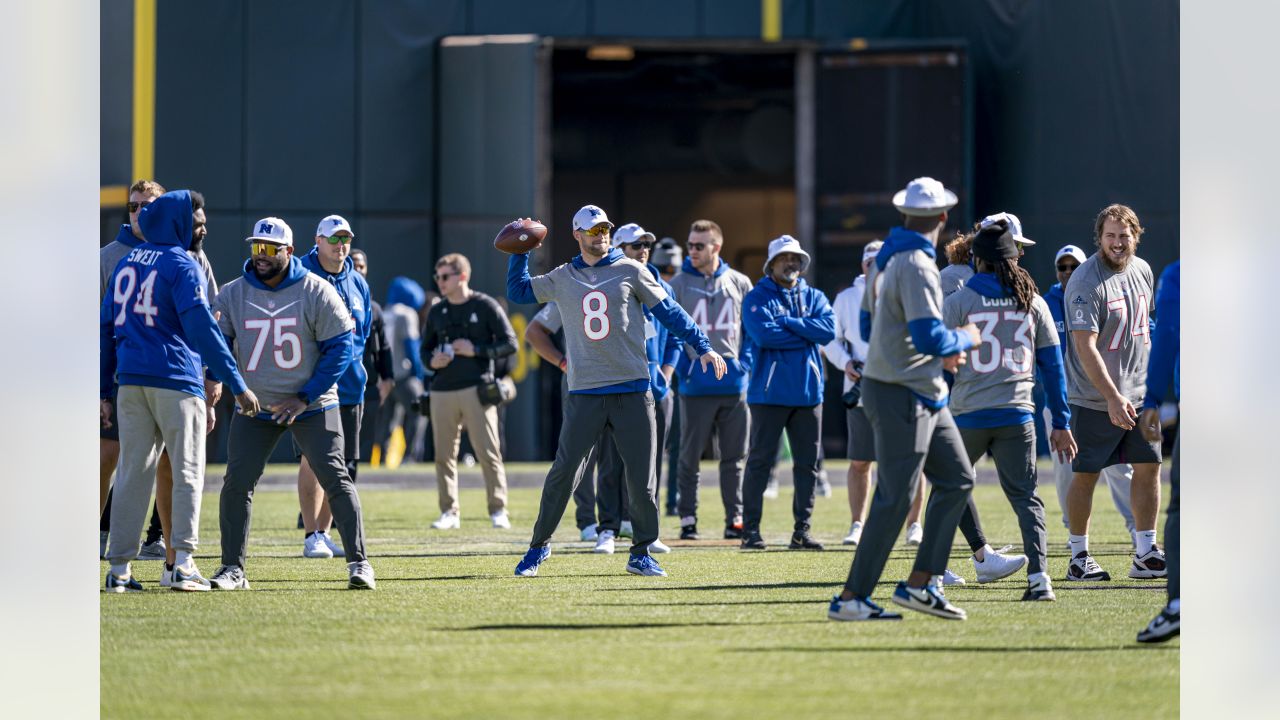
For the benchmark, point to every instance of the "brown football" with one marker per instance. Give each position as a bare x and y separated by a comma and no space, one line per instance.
520,236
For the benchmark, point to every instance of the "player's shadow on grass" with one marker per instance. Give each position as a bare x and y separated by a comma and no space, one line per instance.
558,627
1003,649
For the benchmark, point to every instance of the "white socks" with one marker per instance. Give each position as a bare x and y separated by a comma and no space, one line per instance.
181,559
1079,544
120,571
1144,541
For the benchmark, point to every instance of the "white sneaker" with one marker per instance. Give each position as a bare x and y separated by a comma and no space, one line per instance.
334,547
997,565
448,521
360,576
950,578
604,542
500,519
166,577
771,490
855,609
915,534
314,547
1039,588
854,536
657,546
589,533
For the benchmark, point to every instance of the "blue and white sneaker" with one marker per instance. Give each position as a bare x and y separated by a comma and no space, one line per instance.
528,565
645,565
188,580
858,609
928,599
121,585
1164,626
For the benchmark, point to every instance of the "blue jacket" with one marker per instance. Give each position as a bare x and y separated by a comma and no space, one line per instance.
405,291
355,295
154,324
696,382
1165,364
662,348
1057,308
786,329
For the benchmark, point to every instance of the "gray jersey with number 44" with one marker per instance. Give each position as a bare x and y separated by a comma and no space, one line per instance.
604,323
715,304
275,334
999,373
1117,306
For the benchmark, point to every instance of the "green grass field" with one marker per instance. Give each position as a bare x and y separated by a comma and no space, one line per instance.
451,633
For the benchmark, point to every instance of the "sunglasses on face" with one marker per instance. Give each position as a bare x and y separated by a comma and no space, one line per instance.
344,239
597,231
136,206
266,248
640,245
698,247
445,276
1067,267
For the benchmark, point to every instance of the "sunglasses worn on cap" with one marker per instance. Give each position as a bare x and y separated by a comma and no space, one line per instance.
597,231
344,239
640,245
266,248
136,206
1064,267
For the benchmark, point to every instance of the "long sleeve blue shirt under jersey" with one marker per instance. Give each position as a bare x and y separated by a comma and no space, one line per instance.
1163,367
155,327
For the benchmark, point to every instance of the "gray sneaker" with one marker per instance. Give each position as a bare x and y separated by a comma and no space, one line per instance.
189,580
229,577
361,576
152,550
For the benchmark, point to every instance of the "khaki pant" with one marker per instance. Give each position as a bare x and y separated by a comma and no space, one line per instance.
452,410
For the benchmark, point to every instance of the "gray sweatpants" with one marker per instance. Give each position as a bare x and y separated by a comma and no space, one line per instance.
612,496
910,438
1118,478
730,419
630,416
1013,447
804,431
152,419
250,442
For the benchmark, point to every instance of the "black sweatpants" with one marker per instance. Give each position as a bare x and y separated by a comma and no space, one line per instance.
803,426
611,494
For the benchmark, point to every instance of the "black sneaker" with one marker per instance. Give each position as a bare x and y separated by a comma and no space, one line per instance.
1164,626
751,540
804,541
733,528
689,532
1084,567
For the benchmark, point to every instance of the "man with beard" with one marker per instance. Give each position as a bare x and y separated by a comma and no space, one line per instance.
1108,305
787,322
292,338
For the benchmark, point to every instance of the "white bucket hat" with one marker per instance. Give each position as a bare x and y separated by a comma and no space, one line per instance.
785,244
924,197
1015,226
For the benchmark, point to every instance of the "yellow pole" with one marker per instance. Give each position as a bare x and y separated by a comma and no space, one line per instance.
771,20
144,89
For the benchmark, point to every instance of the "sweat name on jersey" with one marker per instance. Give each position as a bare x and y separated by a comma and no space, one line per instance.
604,324
1000,373
1117,306
276,334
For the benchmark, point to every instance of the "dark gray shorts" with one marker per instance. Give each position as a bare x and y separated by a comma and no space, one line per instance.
113,432
352,417
862,439
1103,444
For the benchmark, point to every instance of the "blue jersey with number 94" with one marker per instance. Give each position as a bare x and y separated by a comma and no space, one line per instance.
155,328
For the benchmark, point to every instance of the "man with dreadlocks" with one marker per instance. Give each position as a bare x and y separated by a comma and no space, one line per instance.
991,400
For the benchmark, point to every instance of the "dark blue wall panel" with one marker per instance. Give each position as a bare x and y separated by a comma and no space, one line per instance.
115,52
731,18
569,18
654,18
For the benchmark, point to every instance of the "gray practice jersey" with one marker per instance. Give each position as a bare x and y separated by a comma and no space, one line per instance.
1000,373
401,322
1117,306
953,277
275,334
604,325
549,318
907,289
715,304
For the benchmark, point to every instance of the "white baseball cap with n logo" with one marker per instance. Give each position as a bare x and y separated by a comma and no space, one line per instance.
588,217
272,230
331,224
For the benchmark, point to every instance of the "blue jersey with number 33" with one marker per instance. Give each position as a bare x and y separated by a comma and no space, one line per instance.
155,315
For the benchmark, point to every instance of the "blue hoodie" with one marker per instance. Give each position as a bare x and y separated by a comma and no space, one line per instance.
662,348
405,291
155,328
353,289
1057,308
696,382
786,329
1165,365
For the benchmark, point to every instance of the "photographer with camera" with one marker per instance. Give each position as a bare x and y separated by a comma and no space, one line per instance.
847,352
465,335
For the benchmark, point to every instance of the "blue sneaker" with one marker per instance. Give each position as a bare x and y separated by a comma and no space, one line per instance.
188,580
121,585
928,599
528,565
645,565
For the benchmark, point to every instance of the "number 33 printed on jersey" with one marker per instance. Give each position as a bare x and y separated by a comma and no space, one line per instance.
991,355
